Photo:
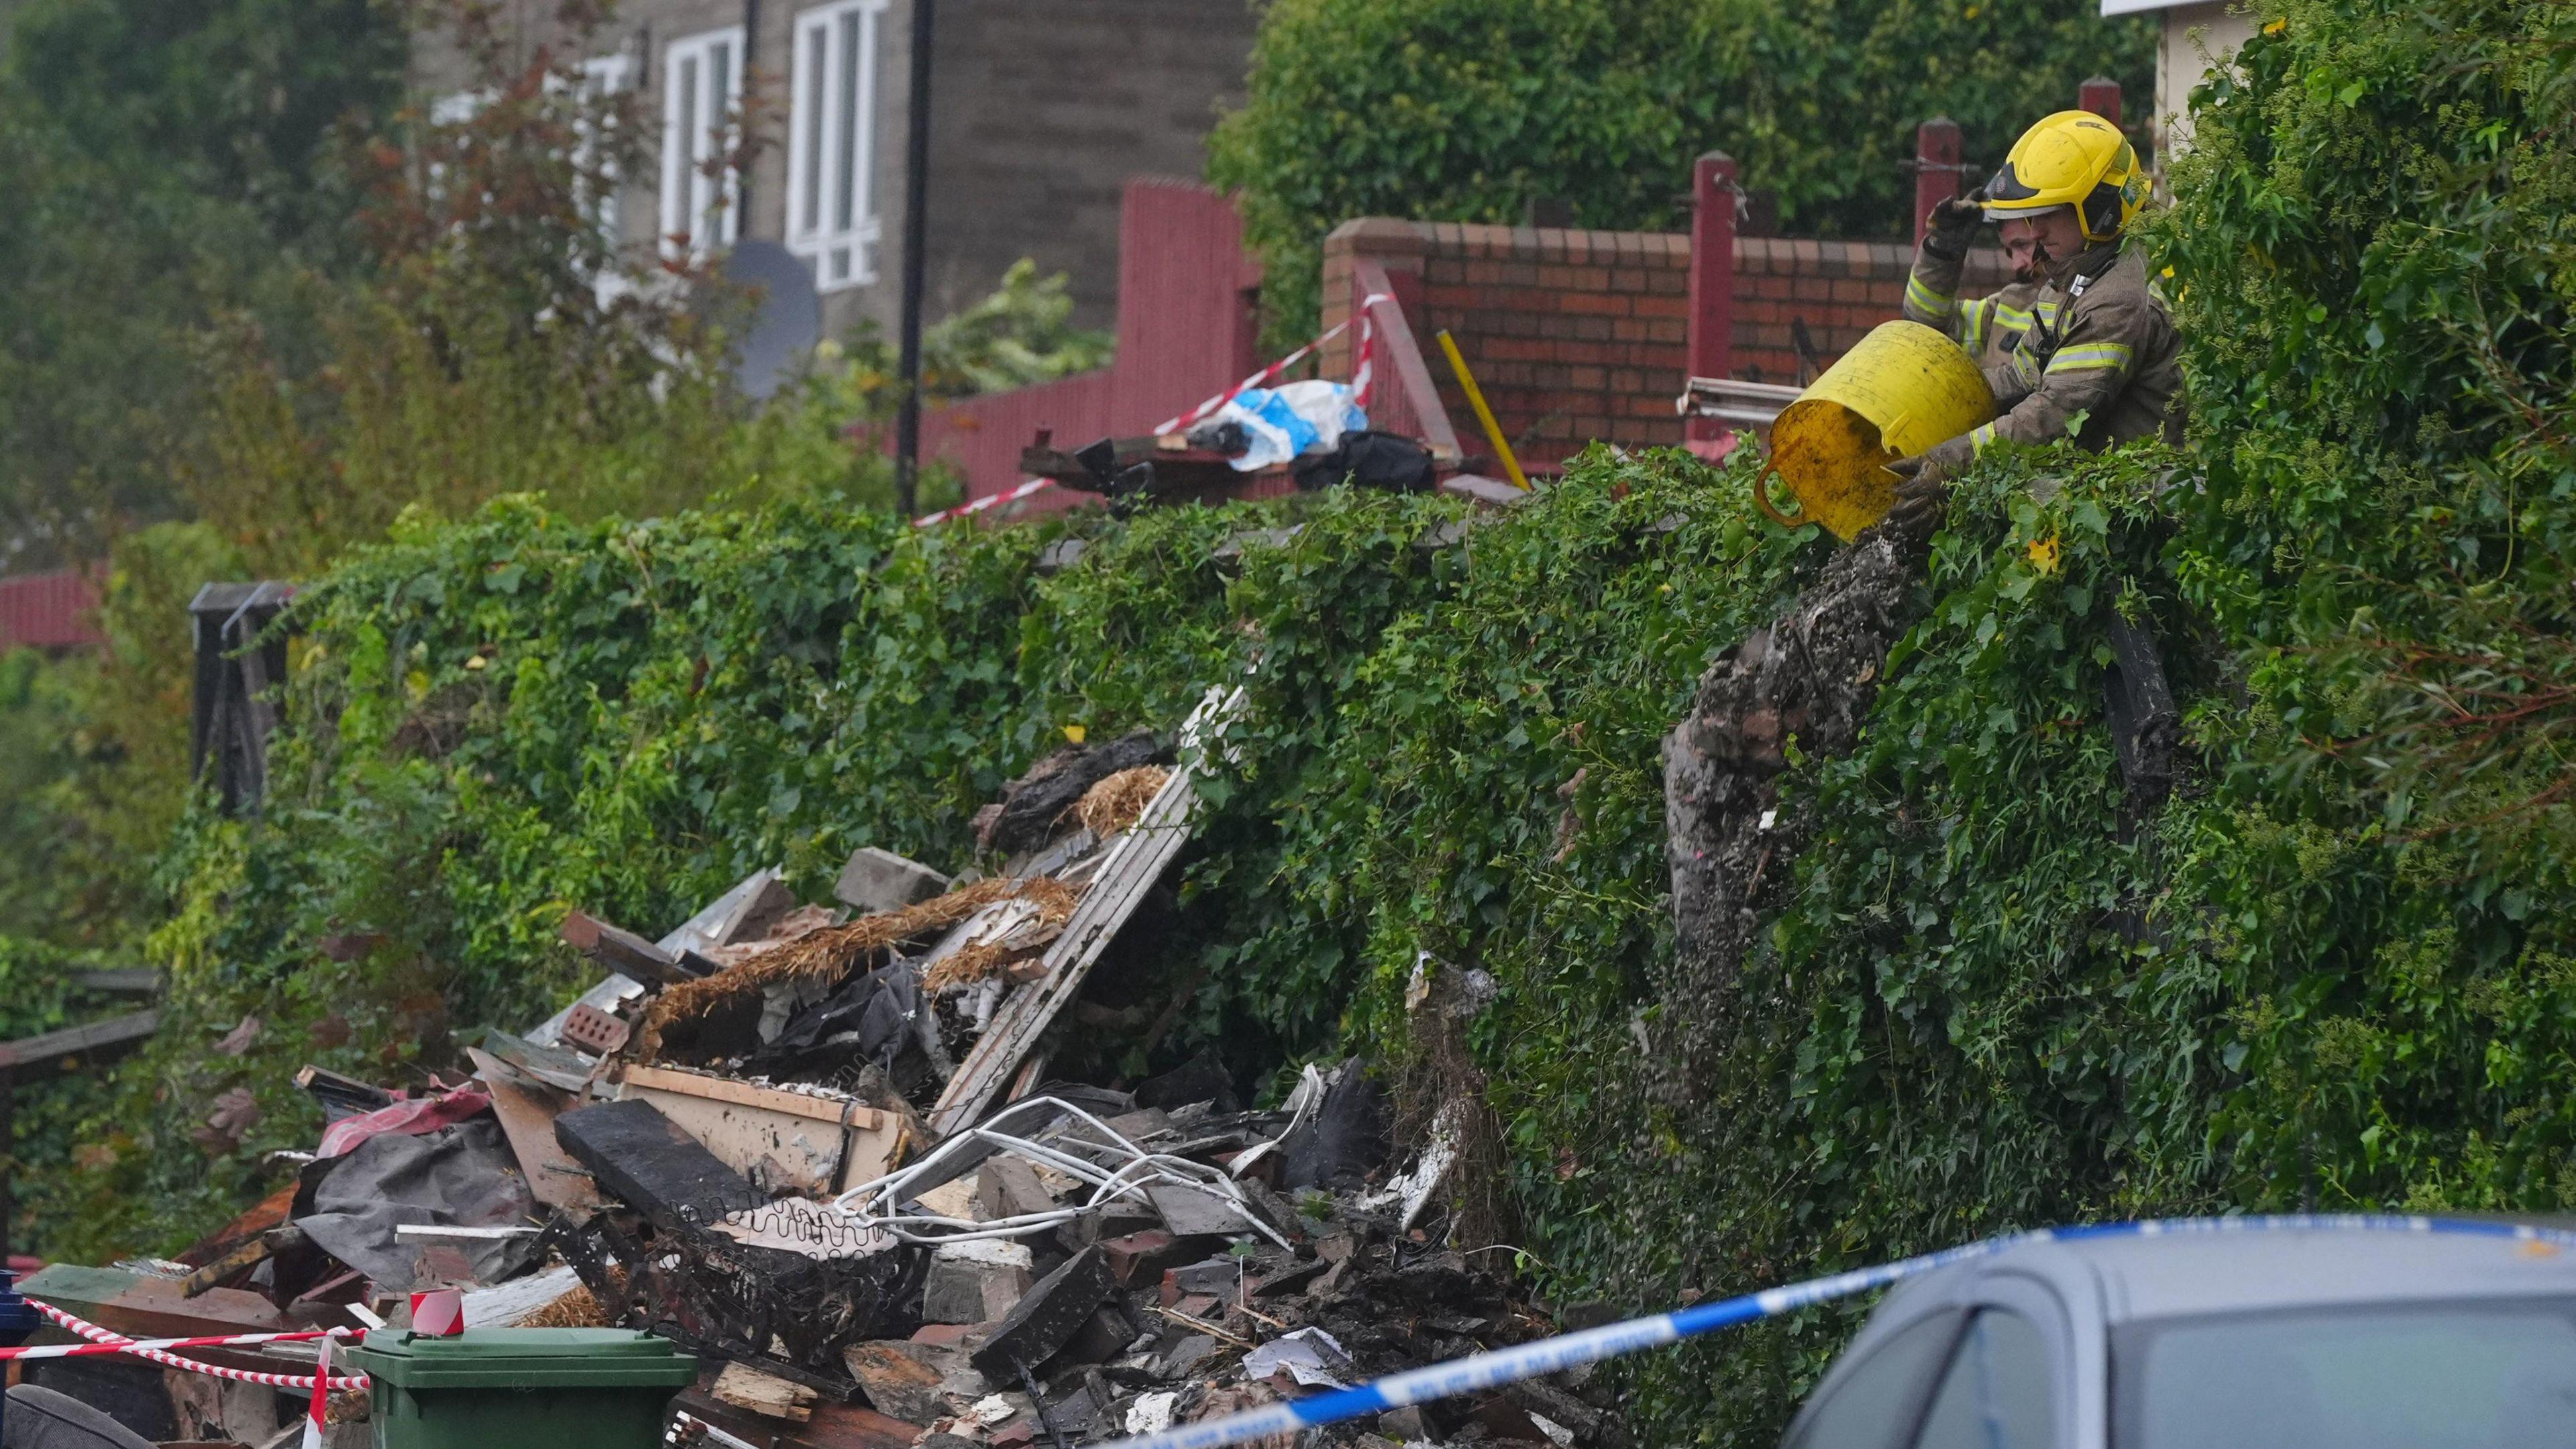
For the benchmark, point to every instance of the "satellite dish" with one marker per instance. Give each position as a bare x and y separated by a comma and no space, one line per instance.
789,320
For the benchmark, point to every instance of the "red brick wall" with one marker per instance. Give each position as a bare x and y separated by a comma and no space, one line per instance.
1581,335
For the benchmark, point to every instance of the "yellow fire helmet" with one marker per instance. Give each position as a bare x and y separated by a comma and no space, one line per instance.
2073,158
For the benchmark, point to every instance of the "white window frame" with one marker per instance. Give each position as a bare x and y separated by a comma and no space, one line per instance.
605,75
689,141
832,212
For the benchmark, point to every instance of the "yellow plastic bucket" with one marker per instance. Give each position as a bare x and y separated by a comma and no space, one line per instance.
1902,390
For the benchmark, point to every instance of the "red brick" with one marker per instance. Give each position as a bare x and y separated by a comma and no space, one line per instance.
1598,304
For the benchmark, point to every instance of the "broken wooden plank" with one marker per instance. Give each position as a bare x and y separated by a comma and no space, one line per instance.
341,1096
97,1036
141,1307
1133,865
507,1305
527,1112
132,981
645,1160
270,1211
739,914
754,1392
551,1065
527,1109
809,1139
242,1259
622,951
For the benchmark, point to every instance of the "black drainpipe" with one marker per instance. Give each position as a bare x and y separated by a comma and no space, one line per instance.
916,230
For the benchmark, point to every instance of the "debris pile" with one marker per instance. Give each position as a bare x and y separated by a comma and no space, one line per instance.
819,1147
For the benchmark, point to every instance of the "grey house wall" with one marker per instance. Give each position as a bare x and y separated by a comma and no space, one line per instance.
1041,111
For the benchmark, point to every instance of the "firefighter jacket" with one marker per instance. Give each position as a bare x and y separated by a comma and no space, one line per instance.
1988,327
2094,352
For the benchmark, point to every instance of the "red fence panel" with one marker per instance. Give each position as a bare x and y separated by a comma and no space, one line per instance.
48,611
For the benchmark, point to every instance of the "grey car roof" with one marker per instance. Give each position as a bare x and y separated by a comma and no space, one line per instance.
2175,1275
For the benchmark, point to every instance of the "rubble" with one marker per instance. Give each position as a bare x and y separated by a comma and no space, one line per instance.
821,1150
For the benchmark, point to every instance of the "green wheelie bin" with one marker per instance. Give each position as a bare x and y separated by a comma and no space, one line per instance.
521,1388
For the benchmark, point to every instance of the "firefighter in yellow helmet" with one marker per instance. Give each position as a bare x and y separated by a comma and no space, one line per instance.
2093,348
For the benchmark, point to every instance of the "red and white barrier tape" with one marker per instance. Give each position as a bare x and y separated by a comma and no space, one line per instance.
993,500
1277,369
1364,372
155,1350
96,1350
1362,375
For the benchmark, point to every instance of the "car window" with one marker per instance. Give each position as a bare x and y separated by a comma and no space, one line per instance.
2437,1376
1874,1405
1997,1393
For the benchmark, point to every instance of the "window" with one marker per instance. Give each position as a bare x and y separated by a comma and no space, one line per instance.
1996,1394
831,144
701,87
1873,1406
2489,1375
603,75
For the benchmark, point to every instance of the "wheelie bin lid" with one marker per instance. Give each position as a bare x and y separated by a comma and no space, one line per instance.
528,1358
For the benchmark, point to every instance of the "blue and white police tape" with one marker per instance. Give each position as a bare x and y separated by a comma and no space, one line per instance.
1550,1355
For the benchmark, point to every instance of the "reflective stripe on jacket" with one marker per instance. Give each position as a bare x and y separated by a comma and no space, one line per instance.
1987,327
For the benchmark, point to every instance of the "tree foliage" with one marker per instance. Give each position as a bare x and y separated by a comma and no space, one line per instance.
1468,110
163,161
